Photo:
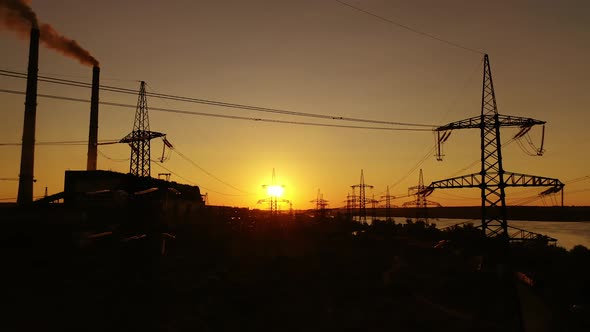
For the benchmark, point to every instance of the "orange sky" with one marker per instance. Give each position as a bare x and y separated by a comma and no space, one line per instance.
317,57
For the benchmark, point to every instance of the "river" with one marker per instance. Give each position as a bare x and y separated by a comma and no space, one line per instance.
567,233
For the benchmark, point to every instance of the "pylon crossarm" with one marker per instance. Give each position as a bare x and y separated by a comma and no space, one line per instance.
141,136
503,120
465,181
517,121
524,180
519,234
473,122
415,190
431,203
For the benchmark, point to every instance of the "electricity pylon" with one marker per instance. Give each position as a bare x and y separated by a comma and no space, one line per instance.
362,198
420,203
139,139
350,205
374,203
274,191
388,199
320,204
419,191
492,179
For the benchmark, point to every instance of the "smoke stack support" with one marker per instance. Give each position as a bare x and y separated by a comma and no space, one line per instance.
93,129
27,161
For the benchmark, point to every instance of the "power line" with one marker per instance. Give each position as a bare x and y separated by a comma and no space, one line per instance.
119,160
158,163
415,167
223,116
285,112
403,26
64,143
208,173
213,102
582,178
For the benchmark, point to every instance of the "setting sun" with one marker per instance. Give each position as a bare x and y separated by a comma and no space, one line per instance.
275,190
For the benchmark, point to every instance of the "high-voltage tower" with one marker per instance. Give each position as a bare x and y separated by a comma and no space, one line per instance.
492,179
274,192
421,203
350,203
387,198
374,203
139,139
320,204
362,198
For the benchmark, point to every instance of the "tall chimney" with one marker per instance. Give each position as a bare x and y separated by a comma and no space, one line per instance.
27,158
93,130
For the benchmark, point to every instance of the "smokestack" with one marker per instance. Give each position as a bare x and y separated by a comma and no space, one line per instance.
27,159
93,130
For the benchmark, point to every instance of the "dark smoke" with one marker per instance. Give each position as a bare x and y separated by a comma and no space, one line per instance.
52,39
17,15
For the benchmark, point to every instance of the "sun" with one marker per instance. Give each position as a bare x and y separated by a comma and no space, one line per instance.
275,190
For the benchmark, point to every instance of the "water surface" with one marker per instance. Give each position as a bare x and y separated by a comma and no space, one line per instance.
567,233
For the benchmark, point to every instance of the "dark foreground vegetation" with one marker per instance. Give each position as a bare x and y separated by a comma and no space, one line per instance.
262,273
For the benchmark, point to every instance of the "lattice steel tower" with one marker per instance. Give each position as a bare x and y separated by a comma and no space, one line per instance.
320,204
274,192
388,197
492,179
362,197
421,203
139,139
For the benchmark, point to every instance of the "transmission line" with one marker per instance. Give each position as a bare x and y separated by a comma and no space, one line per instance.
223,116
54,80
64,143
118,160
403,26
207,172
158,163
415,167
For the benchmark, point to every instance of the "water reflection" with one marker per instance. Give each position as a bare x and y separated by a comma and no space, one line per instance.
567,233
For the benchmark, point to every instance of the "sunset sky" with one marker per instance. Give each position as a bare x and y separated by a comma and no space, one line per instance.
314,56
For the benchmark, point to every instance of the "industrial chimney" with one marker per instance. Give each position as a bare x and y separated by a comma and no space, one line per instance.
27,159
93,130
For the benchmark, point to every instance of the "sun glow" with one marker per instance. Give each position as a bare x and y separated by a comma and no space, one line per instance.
275,191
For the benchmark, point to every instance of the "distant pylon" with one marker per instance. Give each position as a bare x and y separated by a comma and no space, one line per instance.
388,197
420,192
349,204
320,204
362,198
420,202
139,139
374,203
273,192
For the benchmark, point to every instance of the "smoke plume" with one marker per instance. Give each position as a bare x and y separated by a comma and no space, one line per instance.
18,16
52,39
